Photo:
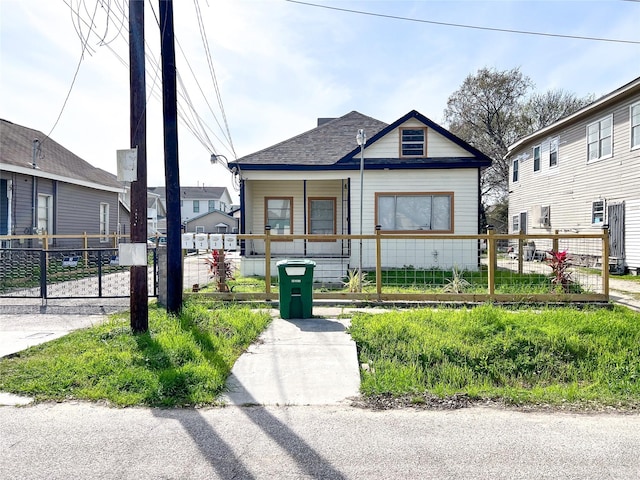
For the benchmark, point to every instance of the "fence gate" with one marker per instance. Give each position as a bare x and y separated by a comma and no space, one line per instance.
615,214
79,273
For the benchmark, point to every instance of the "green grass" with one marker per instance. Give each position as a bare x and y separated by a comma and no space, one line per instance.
181,361
552,356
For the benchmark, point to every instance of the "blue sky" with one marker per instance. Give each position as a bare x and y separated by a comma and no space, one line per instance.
280,65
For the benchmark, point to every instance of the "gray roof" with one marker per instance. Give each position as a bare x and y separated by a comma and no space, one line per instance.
205,193
323,145
16,149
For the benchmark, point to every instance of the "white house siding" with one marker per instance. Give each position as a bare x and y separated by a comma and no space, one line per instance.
419,253
632,234
570,188
462,182
437,145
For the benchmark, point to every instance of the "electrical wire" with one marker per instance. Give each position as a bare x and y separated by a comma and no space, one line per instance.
73,81
460,25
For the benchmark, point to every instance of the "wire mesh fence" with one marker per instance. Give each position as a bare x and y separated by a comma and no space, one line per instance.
541,267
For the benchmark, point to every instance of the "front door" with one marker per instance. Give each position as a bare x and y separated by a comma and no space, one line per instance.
615,215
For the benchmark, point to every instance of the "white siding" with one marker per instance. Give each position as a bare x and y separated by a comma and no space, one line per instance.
571,187
437,145
632,233
463,183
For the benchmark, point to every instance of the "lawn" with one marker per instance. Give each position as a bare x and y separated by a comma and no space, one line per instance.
181,361
554,356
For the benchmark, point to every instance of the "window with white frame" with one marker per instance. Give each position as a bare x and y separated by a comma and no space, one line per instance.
413,142
634,114
597,212
599,139
199,228
415,211
553,152
322,216
516,163
196,206
211,206
545,216
104,222
45,214
536,158
278,214
515,223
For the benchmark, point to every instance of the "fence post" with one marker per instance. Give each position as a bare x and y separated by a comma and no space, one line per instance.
520,250
267,258
100,273
378,262
85,244
556,246
492,261
43,274
605,261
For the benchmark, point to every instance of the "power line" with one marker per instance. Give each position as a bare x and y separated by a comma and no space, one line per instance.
75,76
460,25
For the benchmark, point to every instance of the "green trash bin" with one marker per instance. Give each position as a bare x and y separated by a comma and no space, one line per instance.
296,288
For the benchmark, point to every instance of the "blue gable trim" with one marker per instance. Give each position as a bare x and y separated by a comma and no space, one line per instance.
379,164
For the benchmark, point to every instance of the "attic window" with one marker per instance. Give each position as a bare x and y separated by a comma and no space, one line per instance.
413,142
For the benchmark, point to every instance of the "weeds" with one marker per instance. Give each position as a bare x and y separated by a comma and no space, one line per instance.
551,356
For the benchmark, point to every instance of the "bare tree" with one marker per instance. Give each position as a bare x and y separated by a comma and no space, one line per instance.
492,109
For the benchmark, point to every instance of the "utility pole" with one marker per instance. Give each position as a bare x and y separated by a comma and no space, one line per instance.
171,170
138,124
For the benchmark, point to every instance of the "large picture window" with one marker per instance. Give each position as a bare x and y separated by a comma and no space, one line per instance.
322,216
415,211
413,142
278,214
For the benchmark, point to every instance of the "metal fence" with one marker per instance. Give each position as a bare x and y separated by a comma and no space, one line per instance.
68,273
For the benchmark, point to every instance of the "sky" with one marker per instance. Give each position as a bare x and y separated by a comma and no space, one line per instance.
280,65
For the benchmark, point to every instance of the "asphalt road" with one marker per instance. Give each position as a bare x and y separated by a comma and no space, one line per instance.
86,441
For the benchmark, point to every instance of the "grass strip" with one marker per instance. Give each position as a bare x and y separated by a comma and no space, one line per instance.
549,356
182,360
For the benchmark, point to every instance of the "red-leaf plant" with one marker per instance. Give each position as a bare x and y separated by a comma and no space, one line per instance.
222,271
560,276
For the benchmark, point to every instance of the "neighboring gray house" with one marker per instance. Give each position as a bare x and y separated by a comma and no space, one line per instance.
194,201
581,173
418,178
212,222
45,187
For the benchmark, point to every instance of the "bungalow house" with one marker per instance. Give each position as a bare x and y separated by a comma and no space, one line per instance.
46,188
583,172
417,177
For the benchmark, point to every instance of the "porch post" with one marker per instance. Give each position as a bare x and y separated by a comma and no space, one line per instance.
267,259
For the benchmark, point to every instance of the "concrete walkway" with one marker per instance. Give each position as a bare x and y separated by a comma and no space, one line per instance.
298,362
